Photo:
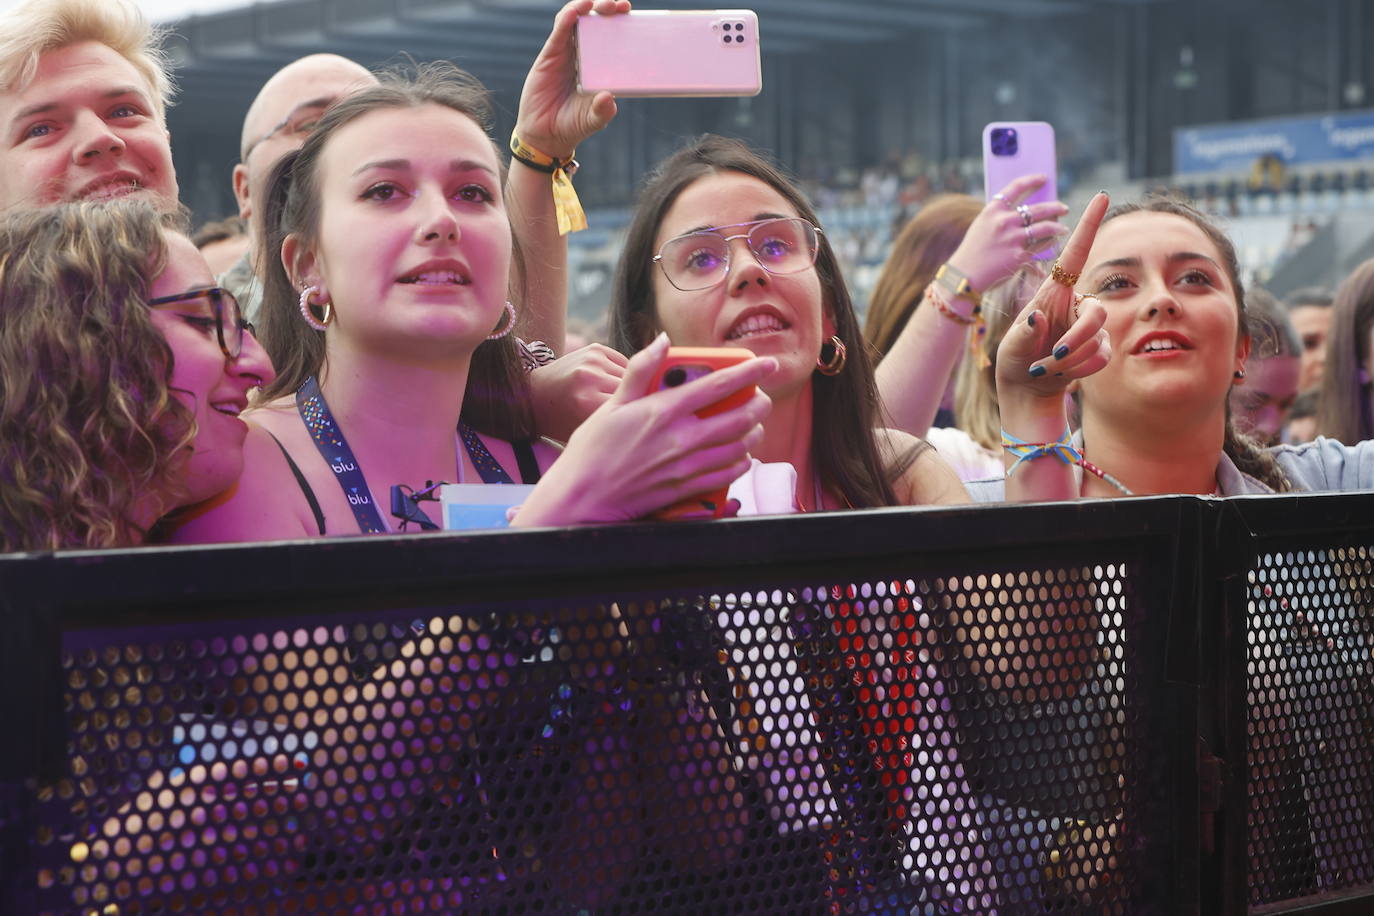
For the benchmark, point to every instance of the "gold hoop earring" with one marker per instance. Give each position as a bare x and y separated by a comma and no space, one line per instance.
832,364
509,324
307,309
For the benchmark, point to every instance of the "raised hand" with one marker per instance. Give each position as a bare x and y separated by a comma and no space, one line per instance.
1008,233
1059,335
554,116
1057,338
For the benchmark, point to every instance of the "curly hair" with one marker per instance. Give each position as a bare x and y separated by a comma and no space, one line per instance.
1249,456
497,401
845,406
89,431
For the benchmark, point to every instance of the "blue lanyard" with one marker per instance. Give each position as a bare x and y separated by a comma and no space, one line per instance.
329,439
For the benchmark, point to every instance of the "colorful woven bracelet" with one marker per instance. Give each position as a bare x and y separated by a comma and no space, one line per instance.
1063,449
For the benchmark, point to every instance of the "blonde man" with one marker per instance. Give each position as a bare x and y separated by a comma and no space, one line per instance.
83,98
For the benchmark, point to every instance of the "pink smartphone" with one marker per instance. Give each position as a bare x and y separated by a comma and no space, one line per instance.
670,53
1015,148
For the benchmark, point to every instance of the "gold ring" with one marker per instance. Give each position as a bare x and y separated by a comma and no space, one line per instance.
1063,277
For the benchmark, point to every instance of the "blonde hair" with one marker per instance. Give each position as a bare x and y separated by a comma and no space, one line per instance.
89,430
975,386
38,26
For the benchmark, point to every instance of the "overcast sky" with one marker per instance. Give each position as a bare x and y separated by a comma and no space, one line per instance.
163,10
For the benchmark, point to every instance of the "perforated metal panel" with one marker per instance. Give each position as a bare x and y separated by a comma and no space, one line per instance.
1310,637
923,741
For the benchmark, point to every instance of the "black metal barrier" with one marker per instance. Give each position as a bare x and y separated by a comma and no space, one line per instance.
1007,710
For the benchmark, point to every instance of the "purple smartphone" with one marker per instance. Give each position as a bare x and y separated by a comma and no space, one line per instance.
1015,148
670,53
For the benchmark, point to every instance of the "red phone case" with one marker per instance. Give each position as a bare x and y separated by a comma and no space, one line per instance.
695,362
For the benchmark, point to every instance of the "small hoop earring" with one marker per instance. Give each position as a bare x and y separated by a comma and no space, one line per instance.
832,364
1239,374
327,309
509,324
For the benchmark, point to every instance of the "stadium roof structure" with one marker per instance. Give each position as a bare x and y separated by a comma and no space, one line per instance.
223,58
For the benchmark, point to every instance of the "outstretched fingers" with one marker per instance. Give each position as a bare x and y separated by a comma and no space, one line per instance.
1055,296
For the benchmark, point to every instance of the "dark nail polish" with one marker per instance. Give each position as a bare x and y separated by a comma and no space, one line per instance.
1037,371
1061,351
1030,319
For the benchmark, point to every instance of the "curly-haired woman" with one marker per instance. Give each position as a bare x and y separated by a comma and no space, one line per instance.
122,373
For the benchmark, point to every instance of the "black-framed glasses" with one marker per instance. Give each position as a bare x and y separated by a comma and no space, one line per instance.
228,317
700,260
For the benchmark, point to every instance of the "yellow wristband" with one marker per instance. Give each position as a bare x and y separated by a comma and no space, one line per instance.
571,217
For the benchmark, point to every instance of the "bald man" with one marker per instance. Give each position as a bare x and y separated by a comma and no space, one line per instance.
282,116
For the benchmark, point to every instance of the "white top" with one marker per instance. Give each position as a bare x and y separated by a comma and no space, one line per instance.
969,459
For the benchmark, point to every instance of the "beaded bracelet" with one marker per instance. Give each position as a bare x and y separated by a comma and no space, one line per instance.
933,294
974,320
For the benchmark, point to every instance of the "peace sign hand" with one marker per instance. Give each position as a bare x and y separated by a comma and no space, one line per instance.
1059,336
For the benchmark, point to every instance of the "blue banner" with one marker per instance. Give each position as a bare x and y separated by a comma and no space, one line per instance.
1234,147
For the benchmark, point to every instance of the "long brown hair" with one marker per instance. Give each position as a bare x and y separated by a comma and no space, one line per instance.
844,406
497,401
1247,454
1343,407
925,242
88,427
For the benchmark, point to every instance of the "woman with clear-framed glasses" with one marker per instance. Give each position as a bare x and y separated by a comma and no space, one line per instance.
723,251
124,371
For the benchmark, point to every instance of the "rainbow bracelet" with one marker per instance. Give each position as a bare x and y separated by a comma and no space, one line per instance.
1063,449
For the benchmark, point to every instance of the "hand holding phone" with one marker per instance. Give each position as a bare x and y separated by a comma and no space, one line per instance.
646,448
687,364
673,53
554,118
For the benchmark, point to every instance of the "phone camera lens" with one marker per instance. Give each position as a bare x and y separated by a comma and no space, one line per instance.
674,377
1004,142
739,38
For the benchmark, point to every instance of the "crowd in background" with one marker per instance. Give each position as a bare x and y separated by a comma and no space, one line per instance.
388,311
